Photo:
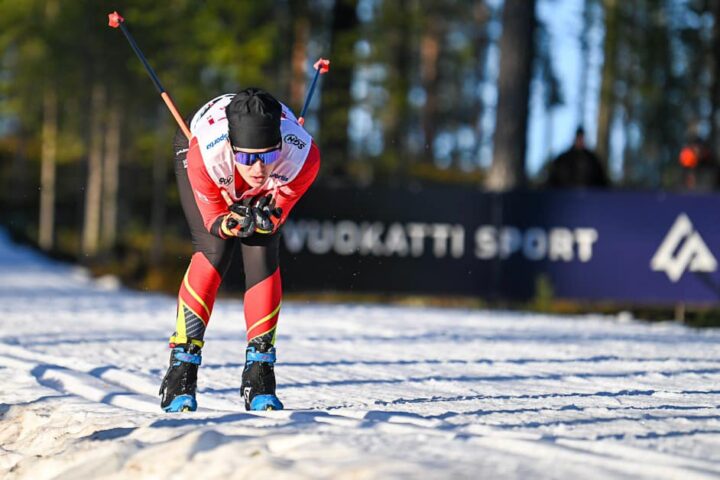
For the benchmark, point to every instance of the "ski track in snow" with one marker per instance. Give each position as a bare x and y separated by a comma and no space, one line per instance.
371,391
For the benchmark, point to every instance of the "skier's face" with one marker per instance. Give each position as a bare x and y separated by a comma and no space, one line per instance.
256,173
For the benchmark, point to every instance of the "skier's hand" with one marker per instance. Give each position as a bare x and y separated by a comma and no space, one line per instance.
239,222
263,211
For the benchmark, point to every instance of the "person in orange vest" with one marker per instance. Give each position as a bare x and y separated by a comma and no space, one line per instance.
698,164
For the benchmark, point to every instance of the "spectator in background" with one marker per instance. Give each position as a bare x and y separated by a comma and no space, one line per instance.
577,167
700,171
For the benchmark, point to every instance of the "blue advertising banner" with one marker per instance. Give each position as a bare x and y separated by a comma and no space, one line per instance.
596,245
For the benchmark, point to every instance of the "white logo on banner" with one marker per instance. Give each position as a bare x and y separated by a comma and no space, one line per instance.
683,248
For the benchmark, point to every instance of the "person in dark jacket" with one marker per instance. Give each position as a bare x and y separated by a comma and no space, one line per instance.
577,167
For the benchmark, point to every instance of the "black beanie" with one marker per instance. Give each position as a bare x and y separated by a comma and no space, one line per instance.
254,119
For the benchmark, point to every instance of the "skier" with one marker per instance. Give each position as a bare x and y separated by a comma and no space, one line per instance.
247,164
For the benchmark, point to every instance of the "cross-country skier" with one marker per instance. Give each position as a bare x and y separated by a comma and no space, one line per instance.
247,164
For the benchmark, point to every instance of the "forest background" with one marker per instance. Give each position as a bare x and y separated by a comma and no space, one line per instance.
420,93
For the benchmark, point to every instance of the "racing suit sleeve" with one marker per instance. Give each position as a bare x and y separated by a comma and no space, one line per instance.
288,195
207,194
212,206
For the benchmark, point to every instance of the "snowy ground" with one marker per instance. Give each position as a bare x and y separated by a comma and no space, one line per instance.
371,391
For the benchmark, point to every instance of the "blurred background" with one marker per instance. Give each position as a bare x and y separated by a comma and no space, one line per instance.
548,154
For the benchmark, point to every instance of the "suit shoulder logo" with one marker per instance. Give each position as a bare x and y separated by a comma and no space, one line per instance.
292,139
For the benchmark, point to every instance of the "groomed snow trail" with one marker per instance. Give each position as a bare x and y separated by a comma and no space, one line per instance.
371,391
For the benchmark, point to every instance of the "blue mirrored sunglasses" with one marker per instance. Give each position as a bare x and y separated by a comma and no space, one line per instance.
267,158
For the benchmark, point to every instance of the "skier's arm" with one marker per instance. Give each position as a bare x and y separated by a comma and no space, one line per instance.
288,195
217,218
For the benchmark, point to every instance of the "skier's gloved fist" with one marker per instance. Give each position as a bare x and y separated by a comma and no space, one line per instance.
239,222
263,211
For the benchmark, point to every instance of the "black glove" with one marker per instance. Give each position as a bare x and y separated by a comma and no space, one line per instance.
239,222
263,211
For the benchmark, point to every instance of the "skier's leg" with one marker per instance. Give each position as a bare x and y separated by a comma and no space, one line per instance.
263,295
263,287
196,296
196,299
210,261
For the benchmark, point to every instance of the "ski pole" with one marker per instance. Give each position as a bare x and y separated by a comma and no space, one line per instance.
321,66
115,21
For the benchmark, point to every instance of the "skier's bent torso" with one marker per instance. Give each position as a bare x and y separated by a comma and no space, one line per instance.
239,177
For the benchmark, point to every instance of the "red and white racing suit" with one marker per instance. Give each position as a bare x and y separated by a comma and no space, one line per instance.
203,168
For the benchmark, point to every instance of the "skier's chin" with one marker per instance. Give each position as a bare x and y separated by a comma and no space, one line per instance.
256,181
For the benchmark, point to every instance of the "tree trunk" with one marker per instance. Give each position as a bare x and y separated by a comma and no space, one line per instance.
46,227
714,139
584,60
429,68
111,173
607,88
336,99
46,222
396,113
481,42
158,211
159,208
516,57
93,190
301,37
18,182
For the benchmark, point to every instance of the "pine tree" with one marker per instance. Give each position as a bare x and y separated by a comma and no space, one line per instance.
516,57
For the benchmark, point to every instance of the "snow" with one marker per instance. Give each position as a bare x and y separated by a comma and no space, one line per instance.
372,391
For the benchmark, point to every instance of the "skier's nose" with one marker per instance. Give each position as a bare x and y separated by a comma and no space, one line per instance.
258,167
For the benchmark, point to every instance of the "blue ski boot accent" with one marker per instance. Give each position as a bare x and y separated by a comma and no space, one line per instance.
258,378
182,403
266,402
180,382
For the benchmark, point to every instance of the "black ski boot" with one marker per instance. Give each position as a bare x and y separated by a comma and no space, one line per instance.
178,386
258,378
